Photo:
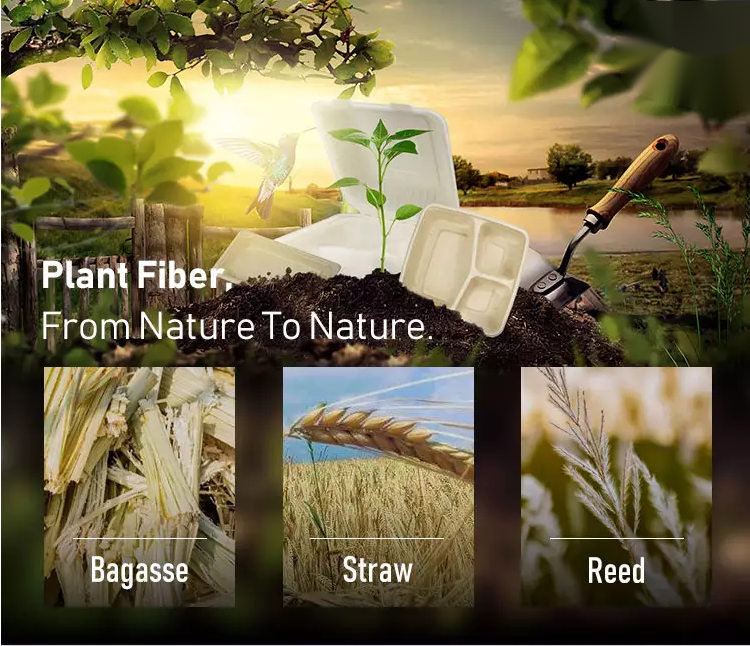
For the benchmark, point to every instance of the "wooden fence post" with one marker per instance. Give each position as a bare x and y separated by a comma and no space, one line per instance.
305,217
156,249
195,248
30,292
176,248
11,252
138,212
11,281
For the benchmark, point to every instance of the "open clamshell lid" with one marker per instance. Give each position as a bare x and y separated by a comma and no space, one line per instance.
422,179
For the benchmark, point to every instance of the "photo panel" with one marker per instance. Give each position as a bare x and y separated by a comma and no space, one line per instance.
139,487
378,487
616,487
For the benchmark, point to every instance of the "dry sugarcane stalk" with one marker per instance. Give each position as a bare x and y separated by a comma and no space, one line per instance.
392,437
125,458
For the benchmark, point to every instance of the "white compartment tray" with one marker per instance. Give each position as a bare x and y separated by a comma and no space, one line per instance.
250,255
468,262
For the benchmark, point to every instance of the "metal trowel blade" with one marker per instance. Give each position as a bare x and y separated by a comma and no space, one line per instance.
536,266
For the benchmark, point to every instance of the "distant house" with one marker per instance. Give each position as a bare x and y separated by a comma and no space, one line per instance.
538,174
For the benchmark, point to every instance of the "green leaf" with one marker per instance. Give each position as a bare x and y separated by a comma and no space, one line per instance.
368,86
407,211
20,13
374,197
544,13
623,57
23,231
185,6
108,174
206,69
170,169
380,134
348,93
87,76
351,135
217,170
681,83
407,134
165,5
141,109
102,56
33,188
162,38
175,88
149,53
43,91
161,140
147,21
549,59
62,182
180,24
381,54
606,85
134,17
345,182
726,157
220,59
325,52
119,48
406,146
136,51
92,36
119,151
79,357
19,40
81,151
172,193
157,79
179,55
194,145
159,353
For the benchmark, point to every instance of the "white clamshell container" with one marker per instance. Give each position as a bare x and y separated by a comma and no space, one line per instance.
467,262
250,255
353,239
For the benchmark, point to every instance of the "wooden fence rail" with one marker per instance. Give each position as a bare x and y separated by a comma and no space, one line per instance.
158,231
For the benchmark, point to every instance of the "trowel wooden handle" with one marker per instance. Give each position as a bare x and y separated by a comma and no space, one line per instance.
645,169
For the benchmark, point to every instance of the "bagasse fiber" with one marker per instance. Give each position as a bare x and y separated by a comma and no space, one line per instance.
403,439
134,456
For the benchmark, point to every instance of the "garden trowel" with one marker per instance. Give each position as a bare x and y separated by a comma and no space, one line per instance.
542,277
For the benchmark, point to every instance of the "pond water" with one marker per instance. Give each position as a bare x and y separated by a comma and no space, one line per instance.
550,229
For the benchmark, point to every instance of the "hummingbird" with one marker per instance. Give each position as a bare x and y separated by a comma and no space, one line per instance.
277,162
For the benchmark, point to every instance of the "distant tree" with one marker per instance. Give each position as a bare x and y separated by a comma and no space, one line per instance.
467,177
492,178
569,164
612,168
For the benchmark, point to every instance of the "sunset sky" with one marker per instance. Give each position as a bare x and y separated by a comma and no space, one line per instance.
453,56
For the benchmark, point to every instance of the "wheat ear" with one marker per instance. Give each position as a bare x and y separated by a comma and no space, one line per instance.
393,437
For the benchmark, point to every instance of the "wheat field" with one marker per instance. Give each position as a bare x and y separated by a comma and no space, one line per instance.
377,497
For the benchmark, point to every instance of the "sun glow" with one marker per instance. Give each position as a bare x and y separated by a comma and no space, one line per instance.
264,110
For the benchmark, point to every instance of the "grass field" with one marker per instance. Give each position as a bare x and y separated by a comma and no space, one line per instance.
377,498
672,193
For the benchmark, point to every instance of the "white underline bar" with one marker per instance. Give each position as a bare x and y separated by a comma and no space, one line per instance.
615,538
390,538
140,538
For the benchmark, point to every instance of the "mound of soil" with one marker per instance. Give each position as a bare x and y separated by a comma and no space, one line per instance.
536,333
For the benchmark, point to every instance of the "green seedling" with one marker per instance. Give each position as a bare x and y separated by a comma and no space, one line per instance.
385,147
